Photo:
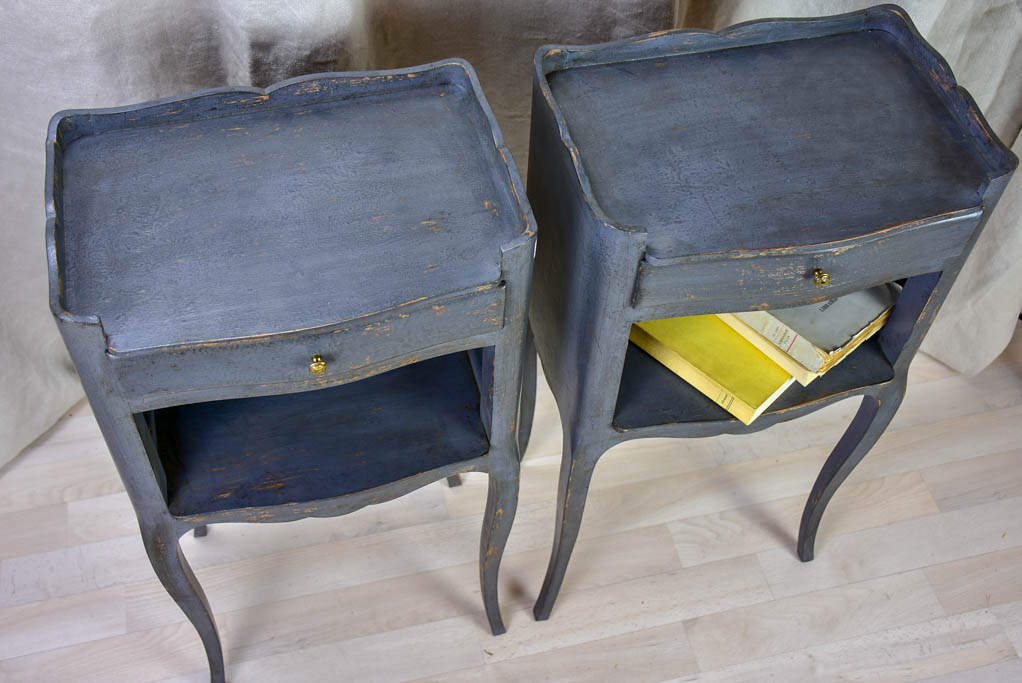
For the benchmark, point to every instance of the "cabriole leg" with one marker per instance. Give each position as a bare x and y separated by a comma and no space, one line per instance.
501,503
576,472
177,577
875,413
527,404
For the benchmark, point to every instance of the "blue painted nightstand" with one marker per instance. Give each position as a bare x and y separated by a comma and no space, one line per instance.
690,172
295,302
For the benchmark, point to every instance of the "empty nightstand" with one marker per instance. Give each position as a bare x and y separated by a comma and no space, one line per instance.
295,302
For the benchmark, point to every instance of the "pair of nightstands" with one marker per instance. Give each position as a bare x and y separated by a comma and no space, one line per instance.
301,301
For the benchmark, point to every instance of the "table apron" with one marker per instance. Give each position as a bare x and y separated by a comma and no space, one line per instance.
281,363
740,282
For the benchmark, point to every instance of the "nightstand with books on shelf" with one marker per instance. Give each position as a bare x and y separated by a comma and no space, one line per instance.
705,189
745,361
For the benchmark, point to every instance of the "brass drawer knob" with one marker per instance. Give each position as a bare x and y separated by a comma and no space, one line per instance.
820,278
318,365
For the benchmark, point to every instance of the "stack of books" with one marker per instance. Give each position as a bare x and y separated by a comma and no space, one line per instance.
745,361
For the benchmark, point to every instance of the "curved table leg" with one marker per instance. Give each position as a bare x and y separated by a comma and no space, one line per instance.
177,577
576,472
527,403
501,503
869,423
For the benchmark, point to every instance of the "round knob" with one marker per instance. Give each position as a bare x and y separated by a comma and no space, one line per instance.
820,278
318,365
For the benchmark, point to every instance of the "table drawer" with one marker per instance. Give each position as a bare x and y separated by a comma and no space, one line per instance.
736,281
281,363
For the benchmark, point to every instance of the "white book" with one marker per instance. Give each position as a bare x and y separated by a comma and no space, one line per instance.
819,335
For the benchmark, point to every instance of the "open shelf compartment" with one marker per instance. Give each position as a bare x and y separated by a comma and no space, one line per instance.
651,395
273,450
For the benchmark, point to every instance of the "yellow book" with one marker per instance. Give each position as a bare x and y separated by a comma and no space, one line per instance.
716,360
802,375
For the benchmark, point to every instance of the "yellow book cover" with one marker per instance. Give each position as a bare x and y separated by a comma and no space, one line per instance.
801,374
716,360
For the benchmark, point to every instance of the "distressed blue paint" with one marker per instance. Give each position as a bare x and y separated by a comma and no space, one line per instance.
690,172
292,449
202,249
805,140
288,209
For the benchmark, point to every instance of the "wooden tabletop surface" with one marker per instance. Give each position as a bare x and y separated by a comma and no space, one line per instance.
789,143
290,216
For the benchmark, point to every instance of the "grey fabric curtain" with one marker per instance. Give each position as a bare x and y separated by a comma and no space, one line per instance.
59,55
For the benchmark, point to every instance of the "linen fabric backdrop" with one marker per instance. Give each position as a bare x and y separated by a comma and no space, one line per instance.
59,54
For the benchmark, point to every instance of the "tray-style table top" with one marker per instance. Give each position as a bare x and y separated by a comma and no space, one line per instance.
318,201
768,145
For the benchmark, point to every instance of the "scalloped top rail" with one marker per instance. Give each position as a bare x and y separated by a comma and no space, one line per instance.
888,18
239,213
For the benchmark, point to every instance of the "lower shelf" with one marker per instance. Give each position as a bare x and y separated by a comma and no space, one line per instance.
272,450
650,394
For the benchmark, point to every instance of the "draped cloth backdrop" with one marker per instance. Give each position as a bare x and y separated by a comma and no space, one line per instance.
59,54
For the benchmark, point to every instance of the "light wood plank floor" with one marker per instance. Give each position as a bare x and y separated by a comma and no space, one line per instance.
685,569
